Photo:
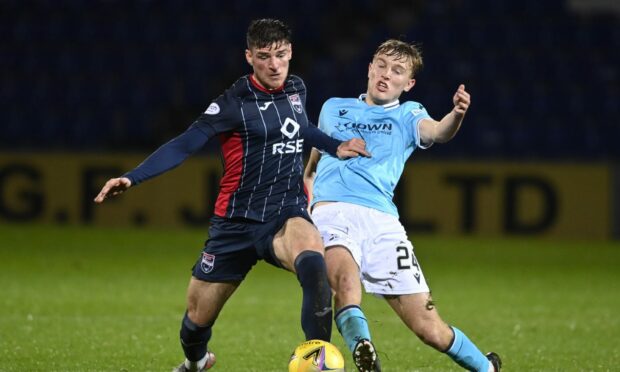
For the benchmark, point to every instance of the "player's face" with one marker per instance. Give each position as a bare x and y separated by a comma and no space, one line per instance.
388,78
270,64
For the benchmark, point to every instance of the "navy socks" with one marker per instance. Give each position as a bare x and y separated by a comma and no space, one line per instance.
316,308
194,339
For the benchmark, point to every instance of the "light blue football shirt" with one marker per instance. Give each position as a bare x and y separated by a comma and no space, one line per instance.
391,134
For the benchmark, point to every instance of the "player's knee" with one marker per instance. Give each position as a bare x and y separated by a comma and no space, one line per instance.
192,309
315,243
194,314
192,333
194,294
304,235
196,317
299,247
345,286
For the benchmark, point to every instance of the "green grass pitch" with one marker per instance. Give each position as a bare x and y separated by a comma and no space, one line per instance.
87,299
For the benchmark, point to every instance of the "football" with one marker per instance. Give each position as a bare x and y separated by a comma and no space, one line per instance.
316,355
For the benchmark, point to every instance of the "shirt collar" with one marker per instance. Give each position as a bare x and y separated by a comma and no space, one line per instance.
256,85
387,106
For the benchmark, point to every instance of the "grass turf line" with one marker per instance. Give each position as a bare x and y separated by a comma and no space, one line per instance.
89,299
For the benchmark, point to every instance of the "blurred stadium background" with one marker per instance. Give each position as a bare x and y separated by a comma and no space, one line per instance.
83,81
526,197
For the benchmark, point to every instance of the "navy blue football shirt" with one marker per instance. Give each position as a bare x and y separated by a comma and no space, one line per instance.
260,132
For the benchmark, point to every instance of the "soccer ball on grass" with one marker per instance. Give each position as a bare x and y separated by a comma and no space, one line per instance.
315,356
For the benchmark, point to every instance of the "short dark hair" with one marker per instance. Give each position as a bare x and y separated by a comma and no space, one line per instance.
411,52
266,31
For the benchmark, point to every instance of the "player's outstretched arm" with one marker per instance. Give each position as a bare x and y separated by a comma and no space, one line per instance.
113,187
343,150
443,131
168,156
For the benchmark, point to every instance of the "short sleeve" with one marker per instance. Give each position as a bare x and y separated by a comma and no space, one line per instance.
324,125
416,113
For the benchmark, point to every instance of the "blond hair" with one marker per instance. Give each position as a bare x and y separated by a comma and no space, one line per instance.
401,49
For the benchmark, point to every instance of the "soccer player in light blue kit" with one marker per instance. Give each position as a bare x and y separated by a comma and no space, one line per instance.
353,209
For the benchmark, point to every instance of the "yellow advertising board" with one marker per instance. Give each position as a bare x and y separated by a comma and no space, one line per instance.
499,198
452,198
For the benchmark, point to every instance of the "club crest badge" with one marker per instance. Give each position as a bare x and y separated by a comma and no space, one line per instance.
207,262
296,103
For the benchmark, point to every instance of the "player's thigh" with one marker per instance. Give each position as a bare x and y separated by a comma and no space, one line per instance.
205,300
344,276
296,235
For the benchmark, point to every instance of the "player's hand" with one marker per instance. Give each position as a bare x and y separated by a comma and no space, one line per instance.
113,187
461,100
352,149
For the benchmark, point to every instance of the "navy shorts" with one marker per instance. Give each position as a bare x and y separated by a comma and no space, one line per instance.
236,244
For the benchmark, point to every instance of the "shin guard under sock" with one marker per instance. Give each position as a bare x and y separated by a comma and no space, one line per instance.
194,339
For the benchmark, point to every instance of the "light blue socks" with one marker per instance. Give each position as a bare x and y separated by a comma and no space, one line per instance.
466,354
352,325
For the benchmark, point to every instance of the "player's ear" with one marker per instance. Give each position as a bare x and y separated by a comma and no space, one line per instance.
248,56
409,85
369,68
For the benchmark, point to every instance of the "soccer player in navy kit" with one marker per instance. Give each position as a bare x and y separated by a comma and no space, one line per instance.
353,209
260,212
